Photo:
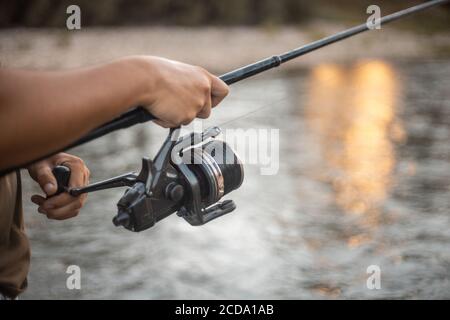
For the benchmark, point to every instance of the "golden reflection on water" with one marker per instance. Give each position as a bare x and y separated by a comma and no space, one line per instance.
351,112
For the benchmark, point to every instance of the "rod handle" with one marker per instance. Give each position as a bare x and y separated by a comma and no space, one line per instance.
62,176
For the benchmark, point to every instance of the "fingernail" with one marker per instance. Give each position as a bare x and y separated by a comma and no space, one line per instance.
48,188
41,210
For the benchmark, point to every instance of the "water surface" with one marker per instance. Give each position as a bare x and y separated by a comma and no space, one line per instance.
364,179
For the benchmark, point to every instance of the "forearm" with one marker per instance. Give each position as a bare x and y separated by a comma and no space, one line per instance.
41,112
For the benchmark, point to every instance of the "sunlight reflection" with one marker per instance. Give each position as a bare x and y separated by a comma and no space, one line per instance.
351,112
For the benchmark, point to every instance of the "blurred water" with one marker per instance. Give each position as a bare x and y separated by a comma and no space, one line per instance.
363,180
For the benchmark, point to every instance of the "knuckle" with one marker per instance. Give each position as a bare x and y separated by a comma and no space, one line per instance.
79,162
201,70
197,106
205,85
76,162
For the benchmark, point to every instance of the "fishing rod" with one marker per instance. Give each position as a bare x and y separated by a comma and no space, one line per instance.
140,114
191,174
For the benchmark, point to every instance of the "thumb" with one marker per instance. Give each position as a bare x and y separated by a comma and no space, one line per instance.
46,180
219,90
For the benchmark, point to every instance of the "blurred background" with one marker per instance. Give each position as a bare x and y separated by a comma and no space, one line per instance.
364,158
51,13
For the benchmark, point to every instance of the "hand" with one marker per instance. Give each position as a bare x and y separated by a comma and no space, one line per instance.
181,92
62,206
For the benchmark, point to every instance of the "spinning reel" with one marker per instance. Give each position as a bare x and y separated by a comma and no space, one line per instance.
189,175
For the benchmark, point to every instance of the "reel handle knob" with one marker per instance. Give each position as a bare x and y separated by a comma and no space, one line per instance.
62,176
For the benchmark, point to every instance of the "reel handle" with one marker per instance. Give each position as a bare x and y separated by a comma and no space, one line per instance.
62,176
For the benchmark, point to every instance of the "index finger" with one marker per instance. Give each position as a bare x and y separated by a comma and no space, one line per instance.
78,176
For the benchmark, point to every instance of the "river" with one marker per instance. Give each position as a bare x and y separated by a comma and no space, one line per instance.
362,179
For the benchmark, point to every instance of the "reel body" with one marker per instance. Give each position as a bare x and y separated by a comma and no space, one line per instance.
189,176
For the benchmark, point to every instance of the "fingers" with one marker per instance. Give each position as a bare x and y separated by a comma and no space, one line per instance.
183,93
79,175
219,90
62,206
46,179
65,212
55,202
37,199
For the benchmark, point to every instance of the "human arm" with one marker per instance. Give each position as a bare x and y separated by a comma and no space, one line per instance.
42,111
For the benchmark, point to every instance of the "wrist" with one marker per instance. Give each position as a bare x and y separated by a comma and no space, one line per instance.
145,73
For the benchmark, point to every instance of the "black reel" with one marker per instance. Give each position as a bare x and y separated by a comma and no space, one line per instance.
189,175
